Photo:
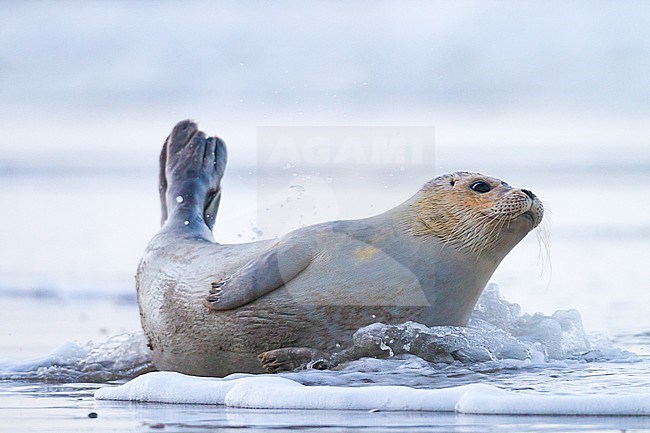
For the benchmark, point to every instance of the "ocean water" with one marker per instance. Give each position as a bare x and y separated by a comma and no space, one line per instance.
89,91
71,242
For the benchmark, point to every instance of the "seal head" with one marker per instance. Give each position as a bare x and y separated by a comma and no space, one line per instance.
474,212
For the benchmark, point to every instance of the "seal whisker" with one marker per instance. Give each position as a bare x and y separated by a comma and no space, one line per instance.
493,235
488,235
473,228
463,228
543,235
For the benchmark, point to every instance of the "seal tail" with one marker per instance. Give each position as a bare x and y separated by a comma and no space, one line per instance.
191,168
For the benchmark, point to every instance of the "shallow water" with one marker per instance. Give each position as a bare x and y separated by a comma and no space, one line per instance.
597,257
93,89
56,386
64,408
59,297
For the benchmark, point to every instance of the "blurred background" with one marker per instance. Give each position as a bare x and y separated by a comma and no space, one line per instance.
551,96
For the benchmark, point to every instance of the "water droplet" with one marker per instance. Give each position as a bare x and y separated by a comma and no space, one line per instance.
179,199
186,222
384,346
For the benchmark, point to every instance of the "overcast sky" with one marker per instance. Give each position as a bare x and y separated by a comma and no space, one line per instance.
110,77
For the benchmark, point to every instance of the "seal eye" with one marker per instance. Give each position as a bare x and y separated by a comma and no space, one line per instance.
480,186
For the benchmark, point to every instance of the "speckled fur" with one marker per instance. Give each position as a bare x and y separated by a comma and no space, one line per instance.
450,211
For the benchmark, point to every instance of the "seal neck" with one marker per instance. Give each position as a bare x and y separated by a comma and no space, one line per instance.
429,221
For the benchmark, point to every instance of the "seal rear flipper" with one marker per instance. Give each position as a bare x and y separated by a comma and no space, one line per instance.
262,275
162,184
215,159
293,358
191,168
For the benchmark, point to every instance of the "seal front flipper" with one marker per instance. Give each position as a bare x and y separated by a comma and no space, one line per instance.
271,270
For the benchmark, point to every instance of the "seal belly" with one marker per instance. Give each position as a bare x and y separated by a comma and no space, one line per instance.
182,334
190,339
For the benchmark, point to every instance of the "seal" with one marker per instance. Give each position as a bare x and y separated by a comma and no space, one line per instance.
213,309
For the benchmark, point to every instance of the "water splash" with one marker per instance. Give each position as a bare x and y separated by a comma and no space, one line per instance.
123,356
498,337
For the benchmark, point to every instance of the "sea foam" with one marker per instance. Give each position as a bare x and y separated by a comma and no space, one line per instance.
272,392
504,362
497,330
122,356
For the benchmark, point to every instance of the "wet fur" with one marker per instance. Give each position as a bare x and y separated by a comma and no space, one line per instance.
410,263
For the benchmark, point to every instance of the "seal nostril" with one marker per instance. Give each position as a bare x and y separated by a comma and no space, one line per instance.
528,193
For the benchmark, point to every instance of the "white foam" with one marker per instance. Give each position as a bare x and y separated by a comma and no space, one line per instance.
120,357
499,339
273,392
493,400
497,331
65,353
